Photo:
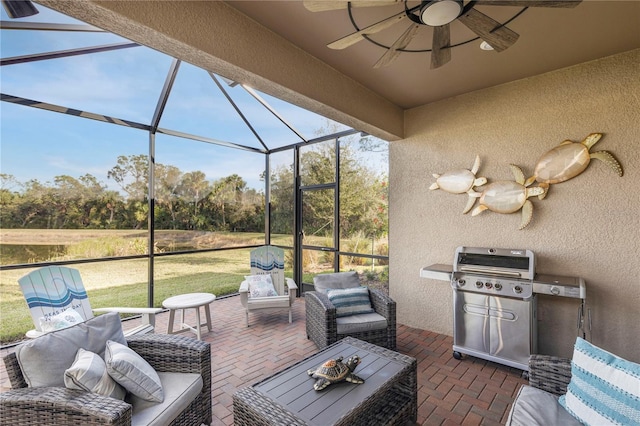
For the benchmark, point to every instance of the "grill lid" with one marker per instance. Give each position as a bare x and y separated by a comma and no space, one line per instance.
513,263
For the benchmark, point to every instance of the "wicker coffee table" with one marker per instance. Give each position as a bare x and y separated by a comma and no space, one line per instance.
388,396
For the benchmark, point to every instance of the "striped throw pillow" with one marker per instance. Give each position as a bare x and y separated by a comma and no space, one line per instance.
604,388
89,373
350,301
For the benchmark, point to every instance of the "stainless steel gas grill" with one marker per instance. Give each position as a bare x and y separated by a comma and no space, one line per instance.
494,307
495,302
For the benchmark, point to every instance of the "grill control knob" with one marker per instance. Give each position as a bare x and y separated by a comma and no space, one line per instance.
461,282
555,290
488,285
479,284
517,289
498,286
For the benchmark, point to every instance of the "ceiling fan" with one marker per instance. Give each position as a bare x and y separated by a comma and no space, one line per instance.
437,14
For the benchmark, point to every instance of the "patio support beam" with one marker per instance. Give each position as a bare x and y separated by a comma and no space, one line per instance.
238,110
65,53
218,38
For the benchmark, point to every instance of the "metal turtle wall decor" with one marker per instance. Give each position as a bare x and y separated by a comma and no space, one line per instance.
505,196
564,162
568,160
460,181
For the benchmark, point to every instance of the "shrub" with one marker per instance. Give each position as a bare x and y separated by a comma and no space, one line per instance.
384,275
370,275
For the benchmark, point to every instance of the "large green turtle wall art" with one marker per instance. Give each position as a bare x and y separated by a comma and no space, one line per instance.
559,164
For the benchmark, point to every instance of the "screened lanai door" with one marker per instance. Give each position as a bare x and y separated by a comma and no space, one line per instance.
318,207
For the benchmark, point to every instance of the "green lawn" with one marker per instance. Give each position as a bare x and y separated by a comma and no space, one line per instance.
219,272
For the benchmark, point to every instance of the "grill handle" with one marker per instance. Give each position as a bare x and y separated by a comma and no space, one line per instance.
581,320
489,271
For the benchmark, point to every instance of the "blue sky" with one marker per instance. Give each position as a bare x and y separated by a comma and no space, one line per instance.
126,84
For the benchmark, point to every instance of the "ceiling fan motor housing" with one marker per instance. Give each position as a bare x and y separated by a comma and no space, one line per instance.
436,13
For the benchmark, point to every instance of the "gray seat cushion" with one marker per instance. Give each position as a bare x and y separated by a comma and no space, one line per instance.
535,407
180,389
360,323
338,280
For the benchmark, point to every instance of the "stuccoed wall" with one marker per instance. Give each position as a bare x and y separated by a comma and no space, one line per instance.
588,226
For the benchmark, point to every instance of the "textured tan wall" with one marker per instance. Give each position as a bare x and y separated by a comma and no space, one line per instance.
587,226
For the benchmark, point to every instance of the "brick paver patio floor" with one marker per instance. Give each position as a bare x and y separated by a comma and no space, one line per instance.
450,392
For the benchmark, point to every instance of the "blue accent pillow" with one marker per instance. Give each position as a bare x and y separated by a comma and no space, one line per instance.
604,388
350,301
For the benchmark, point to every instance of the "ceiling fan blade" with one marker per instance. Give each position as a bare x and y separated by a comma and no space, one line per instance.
19,9
353,38
491,31
324,5
402,42
440,52
530,3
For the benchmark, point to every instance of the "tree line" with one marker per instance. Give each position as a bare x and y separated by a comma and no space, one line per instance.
189,201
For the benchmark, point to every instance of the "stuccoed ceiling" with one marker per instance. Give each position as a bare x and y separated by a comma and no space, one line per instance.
550,39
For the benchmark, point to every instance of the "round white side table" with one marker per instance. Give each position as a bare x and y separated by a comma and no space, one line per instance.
186,301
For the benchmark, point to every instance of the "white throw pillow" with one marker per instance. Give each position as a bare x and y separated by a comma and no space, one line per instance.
89,373
133,373
62,320
261,285
604,388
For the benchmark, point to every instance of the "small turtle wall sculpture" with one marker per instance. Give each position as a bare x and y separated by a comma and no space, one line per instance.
460,181
334,371
568,160
508,197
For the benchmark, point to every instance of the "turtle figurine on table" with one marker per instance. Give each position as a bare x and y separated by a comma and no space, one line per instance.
334,371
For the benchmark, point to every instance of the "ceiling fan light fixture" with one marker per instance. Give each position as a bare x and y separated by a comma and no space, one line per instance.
436,13
486,46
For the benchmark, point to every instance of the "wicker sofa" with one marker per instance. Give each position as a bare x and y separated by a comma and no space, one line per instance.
324,327
537,404
59,405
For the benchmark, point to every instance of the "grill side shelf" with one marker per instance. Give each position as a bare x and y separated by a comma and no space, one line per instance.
438,271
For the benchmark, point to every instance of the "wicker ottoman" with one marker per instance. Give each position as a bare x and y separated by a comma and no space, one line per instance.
388,396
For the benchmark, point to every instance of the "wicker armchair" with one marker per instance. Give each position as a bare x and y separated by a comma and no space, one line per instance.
322,324
61,406
550,373
537,404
